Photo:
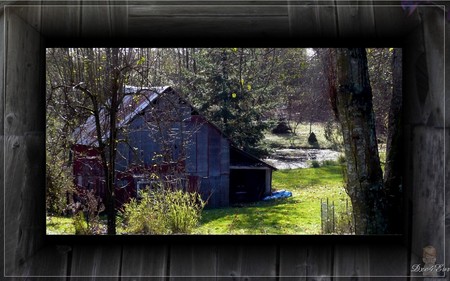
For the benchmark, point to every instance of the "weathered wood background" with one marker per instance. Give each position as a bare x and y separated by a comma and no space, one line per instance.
25,30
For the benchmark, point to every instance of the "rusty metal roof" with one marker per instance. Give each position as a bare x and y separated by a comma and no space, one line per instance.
135,100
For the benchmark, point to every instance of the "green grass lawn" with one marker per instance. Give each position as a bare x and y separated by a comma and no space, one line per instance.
60,225
299,139
299,214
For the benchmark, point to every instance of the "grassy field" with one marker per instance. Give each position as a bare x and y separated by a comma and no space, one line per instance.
299,214
299,139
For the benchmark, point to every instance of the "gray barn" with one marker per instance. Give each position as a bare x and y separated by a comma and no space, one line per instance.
159,128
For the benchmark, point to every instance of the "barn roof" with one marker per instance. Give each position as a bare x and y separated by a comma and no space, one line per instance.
135,101
240,158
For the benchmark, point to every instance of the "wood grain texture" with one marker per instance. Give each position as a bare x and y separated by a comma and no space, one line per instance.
24,125
428,218
395,267
49,261
2,151
24,144
306,262
25,224
355,21
144,261
391,21
447,199
23,103
202,20
434,36
312,19
351,261
28,11
242,262
103,19
90,262
197,261
61,21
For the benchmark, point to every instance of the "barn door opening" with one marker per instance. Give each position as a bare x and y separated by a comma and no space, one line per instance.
247,185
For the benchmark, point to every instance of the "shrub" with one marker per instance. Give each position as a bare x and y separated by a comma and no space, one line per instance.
312,139
163,211
333,134
86,211
59,185
315,164
329,163
80,224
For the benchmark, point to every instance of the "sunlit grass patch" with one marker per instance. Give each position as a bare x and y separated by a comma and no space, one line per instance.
299,214
60,225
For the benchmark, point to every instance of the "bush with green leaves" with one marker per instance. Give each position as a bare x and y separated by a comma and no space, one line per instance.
59,185
163,211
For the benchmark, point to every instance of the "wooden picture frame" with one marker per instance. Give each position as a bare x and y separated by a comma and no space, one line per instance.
28,29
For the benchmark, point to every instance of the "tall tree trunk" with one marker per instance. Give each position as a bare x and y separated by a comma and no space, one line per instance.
392,169
110,184
355,112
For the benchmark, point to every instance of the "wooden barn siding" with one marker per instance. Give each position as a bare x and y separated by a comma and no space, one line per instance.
26,255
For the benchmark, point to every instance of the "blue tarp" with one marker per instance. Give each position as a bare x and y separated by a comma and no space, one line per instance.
278,194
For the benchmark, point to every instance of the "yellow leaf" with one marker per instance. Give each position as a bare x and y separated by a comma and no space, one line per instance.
249,87
234,49
391,49
233,95
242,82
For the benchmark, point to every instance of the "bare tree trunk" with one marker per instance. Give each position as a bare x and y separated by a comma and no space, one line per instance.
392,170
355,113
110,184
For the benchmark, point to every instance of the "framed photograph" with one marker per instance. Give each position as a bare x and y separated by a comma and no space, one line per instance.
222,141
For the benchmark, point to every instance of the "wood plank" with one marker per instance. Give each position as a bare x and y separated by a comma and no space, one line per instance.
23,103
351,261
428,218
24,143
312,19
193,260
355,21
204,10
144,261
61,21
2,77
49,261
434,37
214,152
28,11
414,52
395,267
25,222
306,262
201,27
202,151
447,198
104,20
392,21
2,142
247,261
90,262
